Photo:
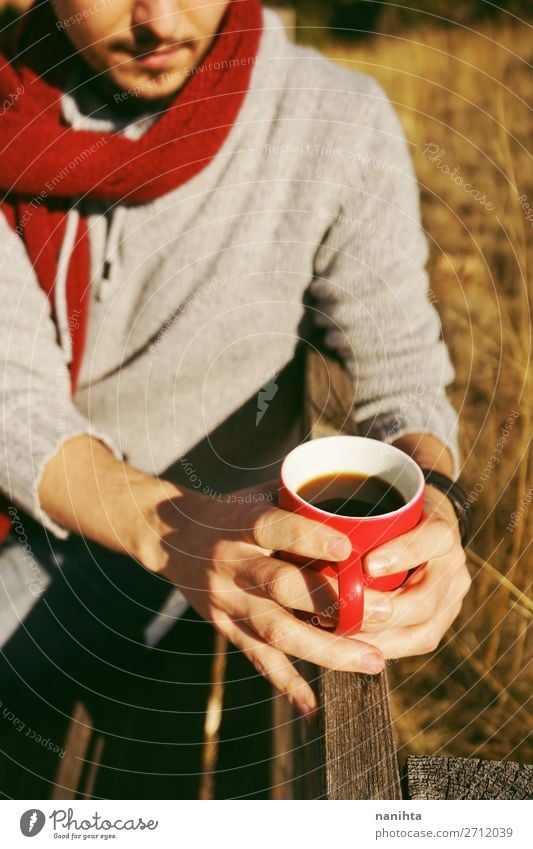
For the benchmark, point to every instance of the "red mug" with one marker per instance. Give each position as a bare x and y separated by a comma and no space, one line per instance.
332,455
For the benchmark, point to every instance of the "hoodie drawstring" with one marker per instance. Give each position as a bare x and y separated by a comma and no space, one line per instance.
60,287
107,280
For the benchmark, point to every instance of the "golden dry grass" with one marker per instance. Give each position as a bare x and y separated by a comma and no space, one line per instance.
469,93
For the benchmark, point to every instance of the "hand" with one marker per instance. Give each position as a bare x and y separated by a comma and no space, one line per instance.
425,607
219,552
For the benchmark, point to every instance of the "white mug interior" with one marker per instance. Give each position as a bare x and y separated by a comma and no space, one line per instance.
341,455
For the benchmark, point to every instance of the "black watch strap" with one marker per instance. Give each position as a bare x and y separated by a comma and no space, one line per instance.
458,498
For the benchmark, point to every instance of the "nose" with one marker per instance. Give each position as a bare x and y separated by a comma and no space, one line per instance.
155,20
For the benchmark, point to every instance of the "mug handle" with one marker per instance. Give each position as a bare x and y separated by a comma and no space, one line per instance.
351,580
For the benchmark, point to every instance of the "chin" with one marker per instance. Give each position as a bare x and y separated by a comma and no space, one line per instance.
143,87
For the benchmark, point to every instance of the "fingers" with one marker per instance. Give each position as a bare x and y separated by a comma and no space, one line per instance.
274,666
425,637
296,588
411,640
405,642
290,586
423,597
283,631
432,538
291,636
279,530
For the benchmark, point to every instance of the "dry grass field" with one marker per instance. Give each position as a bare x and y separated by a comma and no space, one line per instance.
464,98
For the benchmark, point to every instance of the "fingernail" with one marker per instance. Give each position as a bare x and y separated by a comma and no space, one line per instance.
380,610
339,548
372,663
378,566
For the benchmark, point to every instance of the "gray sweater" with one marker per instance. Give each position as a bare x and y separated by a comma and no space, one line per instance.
306,222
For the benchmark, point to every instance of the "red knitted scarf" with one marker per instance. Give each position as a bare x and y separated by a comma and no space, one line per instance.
46,166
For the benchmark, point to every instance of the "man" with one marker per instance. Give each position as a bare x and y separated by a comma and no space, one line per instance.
186,197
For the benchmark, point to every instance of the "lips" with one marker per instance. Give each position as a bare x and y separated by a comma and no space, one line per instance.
161,57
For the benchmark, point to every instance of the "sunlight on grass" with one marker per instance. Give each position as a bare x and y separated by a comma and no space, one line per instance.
466,95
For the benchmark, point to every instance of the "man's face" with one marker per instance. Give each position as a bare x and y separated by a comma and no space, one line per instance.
144,47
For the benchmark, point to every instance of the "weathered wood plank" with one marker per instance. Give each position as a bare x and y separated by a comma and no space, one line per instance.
433,777
350,752
360,751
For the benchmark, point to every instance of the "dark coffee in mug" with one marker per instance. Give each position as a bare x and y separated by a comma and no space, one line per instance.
349,494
